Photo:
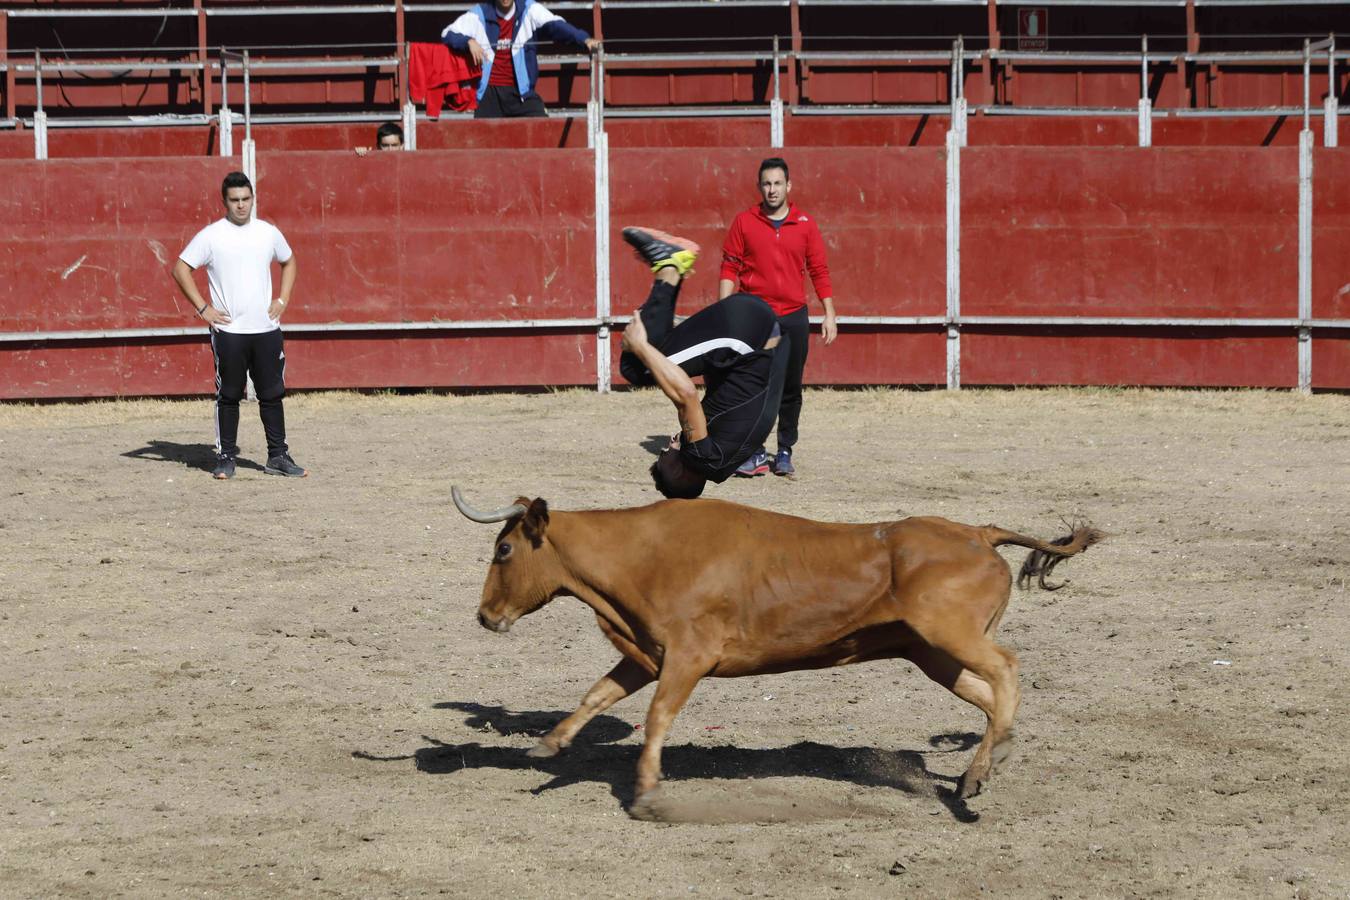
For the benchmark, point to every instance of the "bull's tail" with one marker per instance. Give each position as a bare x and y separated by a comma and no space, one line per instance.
1045,555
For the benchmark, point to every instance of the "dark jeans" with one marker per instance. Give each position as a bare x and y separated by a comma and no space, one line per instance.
501,102
239,356
797,327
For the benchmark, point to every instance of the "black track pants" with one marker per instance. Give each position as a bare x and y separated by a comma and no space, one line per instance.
500,102
238,357
797,326
738,325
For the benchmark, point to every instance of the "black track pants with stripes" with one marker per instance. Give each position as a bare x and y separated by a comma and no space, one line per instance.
239,357
714,335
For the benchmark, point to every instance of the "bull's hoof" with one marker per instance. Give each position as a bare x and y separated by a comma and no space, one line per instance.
969,786
1003,750
543,750
646,808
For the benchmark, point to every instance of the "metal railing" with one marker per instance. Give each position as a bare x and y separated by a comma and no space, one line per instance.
774,107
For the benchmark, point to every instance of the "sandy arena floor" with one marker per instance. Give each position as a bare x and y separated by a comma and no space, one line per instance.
273,687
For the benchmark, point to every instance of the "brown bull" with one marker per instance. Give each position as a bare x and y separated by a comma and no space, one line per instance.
686,589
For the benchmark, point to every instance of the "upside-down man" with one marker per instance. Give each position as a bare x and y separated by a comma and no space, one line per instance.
735,344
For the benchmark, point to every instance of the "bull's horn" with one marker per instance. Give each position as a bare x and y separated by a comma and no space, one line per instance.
497,515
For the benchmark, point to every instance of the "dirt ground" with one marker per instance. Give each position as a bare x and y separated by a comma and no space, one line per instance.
273,687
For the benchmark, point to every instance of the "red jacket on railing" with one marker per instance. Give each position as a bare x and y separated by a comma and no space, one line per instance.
436,76
770,262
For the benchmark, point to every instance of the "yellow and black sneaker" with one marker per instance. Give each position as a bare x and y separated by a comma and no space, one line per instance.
658,249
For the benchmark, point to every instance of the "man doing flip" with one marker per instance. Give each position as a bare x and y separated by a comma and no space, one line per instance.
737,347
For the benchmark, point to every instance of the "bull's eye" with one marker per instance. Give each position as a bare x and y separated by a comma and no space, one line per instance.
503,550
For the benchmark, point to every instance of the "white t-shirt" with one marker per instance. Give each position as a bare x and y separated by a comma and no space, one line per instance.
238,260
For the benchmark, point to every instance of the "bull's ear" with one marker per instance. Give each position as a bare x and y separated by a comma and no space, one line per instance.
536,520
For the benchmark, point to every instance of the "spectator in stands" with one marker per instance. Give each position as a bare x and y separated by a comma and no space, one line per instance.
245,320
388,136
500,36
768,249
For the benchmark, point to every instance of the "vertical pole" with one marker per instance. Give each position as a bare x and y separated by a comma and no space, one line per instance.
1329,130
39,114
1305,212
224,118
794,61
1307,73
957,89
409,126
953,260
11,77
401,51
592,110
602,305
776,104
598,60
1145,104
207,100
250,152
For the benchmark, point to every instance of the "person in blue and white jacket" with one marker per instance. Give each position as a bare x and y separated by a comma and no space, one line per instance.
501,37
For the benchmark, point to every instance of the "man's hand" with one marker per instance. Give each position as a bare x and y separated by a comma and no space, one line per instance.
635,335
476,52
829,330
276,309
592,45
212,316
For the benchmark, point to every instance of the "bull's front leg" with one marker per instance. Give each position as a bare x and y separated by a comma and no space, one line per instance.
626,678
673,687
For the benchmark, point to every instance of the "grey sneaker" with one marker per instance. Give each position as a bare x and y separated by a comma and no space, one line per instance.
224,468
757,464
284,465
782,463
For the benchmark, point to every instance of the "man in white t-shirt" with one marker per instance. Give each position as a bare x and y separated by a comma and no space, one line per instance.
245,321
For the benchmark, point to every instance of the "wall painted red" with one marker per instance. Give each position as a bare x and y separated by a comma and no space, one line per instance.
464,234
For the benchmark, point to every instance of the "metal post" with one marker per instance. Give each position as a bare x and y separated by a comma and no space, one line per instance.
1330,138
409,126
250,152
39,114
953,260
958,94
602,304
1305,212
776,104
1307,72
223,116
1145,104
600,97
592,107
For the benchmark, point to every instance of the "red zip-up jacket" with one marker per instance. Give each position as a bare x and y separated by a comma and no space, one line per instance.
770,263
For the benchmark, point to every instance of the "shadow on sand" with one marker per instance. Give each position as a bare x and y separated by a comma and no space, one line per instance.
194,456
596,759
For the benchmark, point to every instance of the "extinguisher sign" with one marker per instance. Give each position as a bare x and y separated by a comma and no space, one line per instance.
1032,28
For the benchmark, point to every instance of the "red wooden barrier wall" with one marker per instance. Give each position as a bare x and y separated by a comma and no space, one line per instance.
472,235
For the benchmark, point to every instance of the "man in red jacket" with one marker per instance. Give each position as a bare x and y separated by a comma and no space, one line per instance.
768,250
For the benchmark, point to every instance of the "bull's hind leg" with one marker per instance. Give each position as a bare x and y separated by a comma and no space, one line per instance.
985,675
626,678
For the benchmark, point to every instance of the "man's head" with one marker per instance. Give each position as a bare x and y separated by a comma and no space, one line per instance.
774,184
674,479
236,191
389,136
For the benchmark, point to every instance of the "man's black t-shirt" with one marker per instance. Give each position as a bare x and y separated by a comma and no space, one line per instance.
740,404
